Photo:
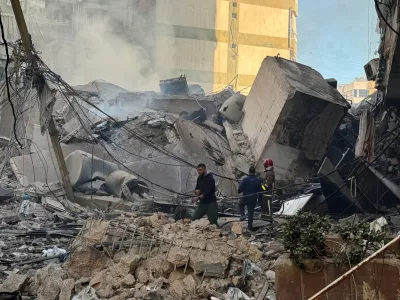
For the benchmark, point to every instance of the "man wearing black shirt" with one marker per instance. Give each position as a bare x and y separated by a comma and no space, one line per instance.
205,192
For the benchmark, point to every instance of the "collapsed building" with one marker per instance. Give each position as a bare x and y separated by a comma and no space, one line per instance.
130,155
136,151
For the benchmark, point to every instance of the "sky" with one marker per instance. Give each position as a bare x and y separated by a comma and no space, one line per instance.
337,37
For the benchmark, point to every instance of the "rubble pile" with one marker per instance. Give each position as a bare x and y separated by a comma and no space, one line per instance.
133,257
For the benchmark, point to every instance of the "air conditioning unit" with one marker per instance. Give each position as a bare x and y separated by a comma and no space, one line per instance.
371,69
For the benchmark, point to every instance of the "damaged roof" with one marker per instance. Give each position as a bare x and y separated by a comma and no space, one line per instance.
104,89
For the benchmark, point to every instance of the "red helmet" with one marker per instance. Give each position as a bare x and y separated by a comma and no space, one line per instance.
268,163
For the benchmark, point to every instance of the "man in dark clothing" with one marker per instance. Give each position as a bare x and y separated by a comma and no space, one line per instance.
205,192
251,189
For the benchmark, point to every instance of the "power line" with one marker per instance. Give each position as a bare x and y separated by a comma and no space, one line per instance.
383,18
8,82
361,172
56,78
113,157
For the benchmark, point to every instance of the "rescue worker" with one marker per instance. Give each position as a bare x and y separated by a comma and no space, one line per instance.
205,192
269,184
251,187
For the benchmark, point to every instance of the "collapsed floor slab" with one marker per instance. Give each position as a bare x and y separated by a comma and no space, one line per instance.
290,116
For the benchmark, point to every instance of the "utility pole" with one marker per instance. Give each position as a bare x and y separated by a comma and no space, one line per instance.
26,40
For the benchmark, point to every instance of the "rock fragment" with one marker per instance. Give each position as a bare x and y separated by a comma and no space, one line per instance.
49,281
86,262
177,256
128,264
66,289
254,254
13,283
213,264
128,281
270,276
237,228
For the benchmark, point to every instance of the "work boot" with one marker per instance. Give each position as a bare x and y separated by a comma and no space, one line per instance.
251,229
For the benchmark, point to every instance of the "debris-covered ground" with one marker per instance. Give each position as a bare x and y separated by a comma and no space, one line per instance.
135,257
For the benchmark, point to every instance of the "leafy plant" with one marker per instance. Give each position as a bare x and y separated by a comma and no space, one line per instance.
304,236
359,239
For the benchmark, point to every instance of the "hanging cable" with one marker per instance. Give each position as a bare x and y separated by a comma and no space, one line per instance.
8,82
383,18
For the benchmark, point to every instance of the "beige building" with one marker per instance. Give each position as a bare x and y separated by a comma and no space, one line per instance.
357,90
215,42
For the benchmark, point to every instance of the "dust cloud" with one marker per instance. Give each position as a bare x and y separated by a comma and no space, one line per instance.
96,50
99,54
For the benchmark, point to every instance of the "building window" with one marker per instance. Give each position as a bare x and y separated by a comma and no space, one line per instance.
354,93
363,93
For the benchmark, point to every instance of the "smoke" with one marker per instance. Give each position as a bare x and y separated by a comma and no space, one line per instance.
92,45
97,53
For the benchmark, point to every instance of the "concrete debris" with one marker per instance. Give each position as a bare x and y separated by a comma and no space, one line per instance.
52,205
88,293
49,282
237,228
174,86
83,167
271,276
128,234
67,289
287,99
121,184
232,108
154,257
128,264
86,261
13,283
236,294
378,224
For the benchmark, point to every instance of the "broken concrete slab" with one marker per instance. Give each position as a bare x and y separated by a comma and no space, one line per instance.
6,194
254,254
212,264
52,205
128,281
232,108
237,228
178,256
67,289
122,184
103,202
13,283
231,138
291,115
183,289
210,124
128,264
84,167
49,282
174,86
158,265
8,216
106,283
86,262
37,167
